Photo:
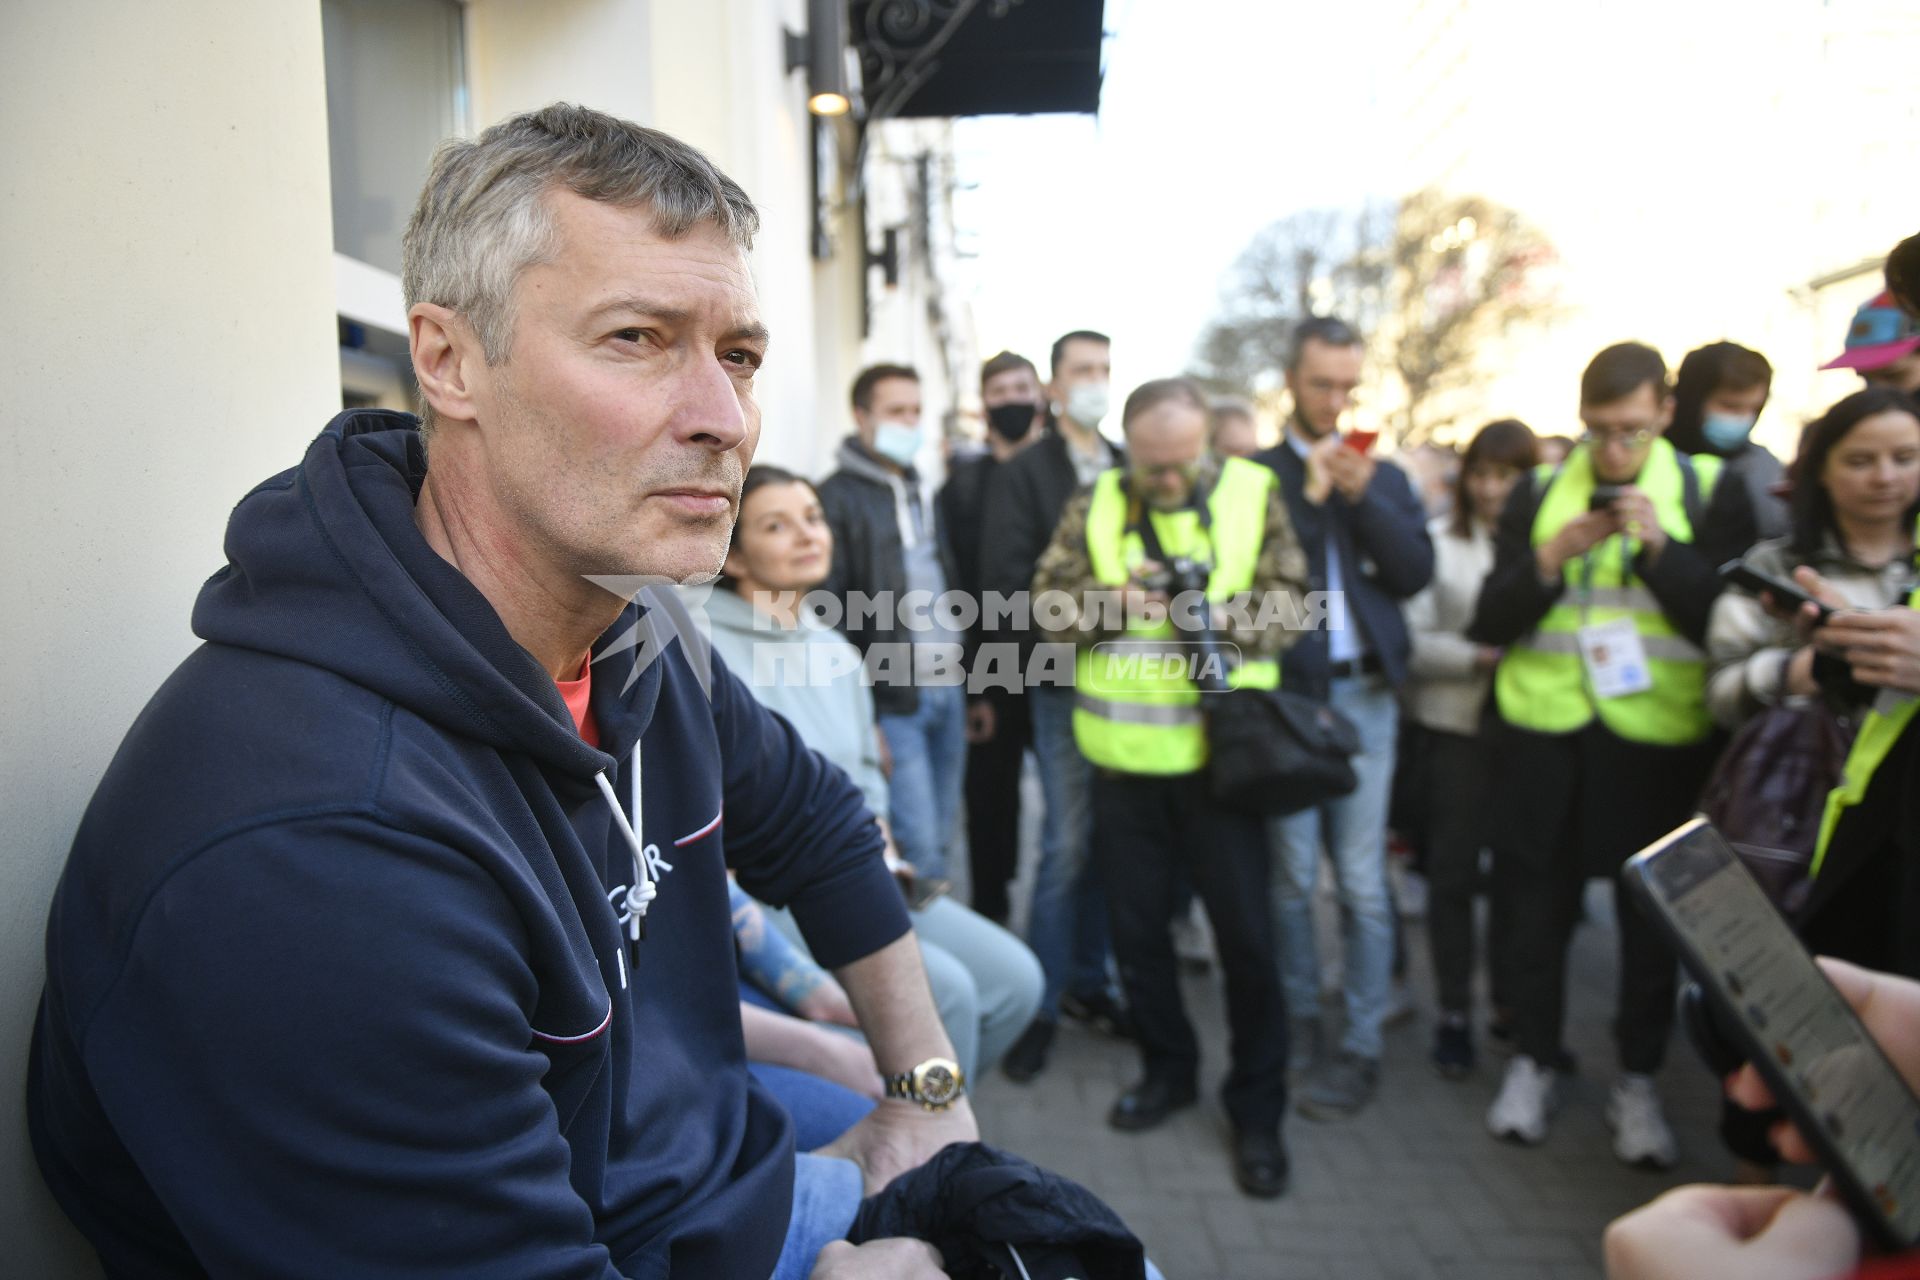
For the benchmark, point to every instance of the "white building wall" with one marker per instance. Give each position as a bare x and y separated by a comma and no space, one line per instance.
523,54
715,76
923,319
168,341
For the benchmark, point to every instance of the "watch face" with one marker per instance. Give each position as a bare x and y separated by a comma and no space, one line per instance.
938,1083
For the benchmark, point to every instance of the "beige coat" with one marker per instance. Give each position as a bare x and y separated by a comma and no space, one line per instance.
1748,648
1445,690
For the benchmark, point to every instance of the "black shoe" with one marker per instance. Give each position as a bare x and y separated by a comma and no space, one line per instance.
1028,1057
1453,1050
1343,1087
1500,1032
1149,1103
1100,1009
1259,1163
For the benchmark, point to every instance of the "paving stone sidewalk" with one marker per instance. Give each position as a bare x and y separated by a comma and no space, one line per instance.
1412,1188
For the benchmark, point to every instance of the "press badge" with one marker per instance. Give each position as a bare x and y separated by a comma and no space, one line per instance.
1616,661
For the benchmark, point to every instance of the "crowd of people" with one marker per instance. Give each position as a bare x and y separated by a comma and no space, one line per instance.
1544,651
448,907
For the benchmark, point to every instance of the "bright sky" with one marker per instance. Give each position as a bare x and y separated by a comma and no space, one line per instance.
1695,166
1215,120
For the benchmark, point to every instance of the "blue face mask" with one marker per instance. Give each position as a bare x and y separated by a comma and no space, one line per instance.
1726,431
896,442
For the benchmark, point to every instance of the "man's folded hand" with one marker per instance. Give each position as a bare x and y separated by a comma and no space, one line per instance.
898,1136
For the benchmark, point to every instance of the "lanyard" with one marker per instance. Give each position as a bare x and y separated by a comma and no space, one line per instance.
1140,522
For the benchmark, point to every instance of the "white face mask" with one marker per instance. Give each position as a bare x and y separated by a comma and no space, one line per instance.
1087,403
897,442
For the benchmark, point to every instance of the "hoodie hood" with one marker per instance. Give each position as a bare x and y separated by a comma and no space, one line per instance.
354,895
326,567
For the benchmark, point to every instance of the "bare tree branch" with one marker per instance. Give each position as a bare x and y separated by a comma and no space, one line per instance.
1433,280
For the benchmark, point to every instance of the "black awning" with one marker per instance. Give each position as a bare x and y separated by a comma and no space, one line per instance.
1003,57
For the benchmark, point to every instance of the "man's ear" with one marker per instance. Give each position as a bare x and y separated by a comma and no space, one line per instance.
447,360
1666,413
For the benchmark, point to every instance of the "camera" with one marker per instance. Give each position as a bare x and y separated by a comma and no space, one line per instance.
1178,575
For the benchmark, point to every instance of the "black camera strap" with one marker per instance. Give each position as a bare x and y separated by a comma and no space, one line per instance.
1140,521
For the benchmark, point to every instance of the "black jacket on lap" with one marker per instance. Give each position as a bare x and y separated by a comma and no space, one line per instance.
972,1201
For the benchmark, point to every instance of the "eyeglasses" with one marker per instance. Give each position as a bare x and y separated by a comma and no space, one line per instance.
1631,439
1188,471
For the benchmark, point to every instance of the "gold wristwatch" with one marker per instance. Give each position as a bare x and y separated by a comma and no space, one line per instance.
935,1084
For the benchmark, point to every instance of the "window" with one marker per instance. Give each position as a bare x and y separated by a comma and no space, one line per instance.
396,85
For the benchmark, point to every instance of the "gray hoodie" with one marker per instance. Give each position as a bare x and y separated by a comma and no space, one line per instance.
811,675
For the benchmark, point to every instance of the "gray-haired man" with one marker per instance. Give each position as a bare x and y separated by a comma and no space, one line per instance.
378,951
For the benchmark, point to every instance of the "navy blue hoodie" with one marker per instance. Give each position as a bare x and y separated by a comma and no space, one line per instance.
339,975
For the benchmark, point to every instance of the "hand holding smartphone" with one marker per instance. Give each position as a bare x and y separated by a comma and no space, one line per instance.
1738,573
1604,496
1791,1024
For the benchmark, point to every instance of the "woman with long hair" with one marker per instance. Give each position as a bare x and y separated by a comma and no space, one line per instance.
1450,678
985,981
1856,493
1855,497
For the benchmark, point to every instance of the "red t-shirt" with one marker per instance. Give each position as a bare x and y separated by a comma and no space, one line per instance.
577,694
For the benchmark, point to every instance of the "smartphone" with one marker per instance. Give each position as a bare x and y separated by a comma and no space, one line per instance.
1739,574
1360,441
1768,996
921,890
1604,496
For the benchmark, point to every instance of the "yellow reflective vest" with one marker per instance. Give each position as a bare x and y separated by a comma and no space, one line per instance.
1542,684
1878,732
1136,709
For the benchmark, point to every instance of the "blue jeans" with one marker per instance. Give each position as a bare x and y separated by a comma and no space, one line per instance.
826,1196
985,982
1354,831
1067,927
929,751
821,1109
991,980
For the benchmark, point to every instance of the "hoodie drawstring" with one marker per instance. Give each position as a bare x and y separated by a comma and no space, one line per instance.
647,866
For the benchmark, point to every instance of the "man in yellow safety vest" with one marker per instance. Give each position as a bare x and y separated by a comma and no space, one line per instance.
1600,600
1178,546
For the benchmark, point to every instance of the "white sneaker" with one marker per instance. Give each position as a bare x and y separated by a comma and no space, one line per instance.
1527,1095
1641,1135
